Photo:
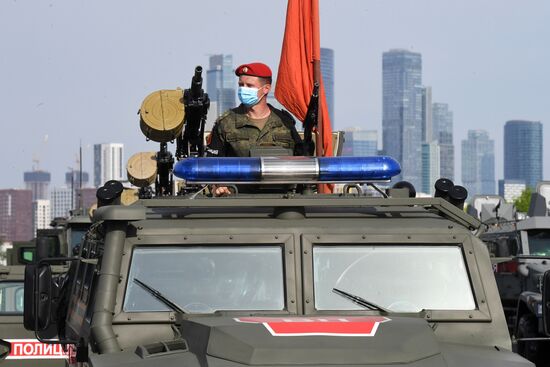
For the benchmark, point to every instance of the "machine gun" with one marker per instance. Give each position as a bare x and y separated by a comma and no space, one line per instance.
191,142
310,122
165,116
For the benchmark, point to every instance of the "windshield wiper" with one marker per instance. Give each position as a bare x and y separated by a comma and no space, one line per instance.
155,293
360,301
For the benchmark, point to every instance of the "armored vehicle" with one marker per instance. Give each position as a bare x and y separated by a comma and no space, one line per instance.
279,275
280,280
61,240
520,250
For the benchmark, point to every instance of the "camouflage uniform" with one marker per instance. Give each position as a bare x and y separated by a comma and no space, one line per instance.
234,135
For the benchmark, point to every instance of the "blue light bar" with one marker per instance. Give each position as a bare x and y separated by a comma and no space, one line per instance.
357,168
267,170
226,169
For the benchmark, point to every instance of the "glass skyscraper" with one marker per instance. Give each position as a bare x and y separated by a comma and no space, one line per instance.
360,143
478,163
442,131
327,71
402,112
523,151
221,82
427,120
431,155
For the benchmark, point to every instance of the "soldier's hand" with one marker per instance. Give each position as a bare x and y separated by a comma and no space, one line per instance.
220,191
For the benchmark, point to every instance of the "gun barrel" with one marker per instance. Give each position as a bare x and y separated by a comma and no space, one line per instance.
198,72
196,83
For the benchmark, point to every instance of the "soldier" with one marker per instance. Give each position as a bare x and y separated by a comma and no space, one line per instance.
254,122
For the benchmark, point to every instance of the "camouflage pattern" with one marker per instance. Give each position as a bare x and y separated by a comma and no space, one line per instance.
234,134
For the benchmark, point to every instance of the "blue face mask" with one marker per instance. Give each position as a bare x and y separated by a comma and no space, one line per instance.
248,96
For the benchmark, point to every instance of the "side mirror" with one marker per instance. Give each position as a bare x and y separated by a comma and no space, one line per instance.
5,349
37,297
546,302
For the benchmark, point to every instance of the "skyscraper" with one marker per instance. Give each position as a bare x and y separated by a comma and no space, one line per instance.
427,113
478,163
108,162
15,215
221,82
327,71
360,143
402,111
430,166
41,215
38,182
523,151
442,131
62,201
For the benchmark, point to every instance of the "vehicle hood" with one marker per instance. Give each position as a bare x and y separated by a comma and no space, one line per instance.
219,341
303,340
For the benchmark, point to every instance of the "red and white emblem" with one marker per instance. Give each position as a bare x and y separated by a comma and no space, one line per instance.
331,325
33,349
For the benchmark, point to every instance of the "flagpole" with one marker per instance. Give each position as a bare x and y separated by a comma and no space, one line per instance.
316,39
319,137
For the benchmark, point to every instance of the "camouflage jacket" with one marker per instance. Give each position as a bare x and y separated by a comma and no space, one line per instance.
234,135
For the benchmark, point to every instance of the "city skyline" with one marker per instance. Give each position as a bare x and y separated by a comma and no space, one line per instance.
78,93
440,128
402,73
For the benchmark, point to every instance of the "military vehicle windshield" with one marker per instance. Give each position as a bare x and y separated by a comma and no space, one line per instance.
397,278
207,279
11,298
539,242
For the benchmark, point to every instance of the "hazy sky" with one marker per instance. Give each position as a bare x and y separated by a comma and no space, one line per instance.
78,70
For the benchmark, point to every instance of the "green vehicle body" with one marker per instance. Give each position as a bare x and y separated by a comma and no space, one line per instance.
61,240
200,251
520,251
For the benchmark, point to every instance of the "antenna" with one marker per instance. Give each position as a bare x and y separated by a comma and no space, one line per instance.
72,187
80,179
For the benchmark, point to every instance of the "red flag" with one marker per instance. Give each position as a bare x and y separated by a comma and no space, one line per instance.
299,67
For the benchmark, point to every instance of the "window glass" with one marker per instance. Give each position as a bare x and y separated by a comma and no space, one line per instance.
539,242
398,278
11,298
207,279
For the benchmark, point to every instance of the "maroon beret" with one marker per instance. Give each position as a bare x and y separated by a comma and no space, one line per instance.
254,69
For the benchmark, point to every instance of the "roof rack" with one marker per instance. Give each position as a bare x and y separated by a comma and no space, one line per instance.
445,208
